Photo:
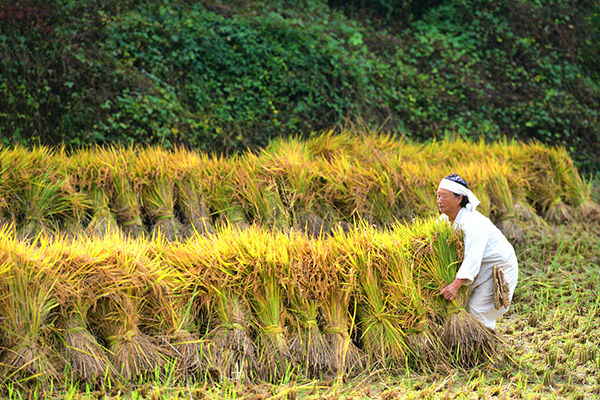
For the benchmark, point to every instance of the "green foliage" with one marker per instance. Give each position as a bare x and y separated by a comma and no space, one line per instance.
492,69
394,15
240,76
232,74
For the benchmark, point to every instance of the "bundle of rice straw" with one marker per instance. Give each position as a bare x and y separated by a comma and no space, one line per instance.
270,315
124,274
313,276
338,326
154,180
26,310
437,254
189,191
231,352
125,198
174,311
308,344
75,262
92,175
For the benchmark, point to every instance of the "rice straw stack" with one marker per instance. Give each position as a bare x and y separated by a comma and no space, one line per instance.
93,176
26,308
154,181
189,191
126,197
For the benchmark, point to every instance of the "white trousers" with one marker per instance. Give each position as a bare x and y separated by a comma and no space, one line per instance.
481,300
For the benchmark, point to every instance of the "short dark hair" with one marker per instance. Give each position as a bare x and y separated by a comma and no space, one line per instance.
457,178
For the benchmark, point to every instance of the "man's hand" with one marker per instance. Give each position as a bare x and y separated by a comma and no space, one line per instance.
449,292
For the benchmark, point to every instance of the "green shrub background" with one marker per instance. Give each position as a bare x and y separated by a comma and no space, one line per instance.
224,76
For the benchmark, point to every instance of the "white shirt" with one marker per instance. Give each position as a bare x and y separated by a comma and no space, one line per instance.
484,245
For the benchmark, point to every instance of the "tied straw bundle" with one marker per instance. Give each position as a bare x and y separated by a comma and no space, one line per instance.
26,308
93,175
154,183
126,198
439,249
124,275
75,263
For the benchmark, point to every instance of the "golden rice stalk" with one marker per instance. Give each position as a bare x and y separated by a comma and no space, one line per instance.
308,344
286,164
349,359
75,262
19,165
312,275
36,192
378,317
87,359
43,205
26,307
436,250
123,277
103,221
329,144
189,194
125,197
172,303
427,352
91,174
467,341
259,196
154,178
231,352
581,192
551,185
218,175
345,185
275,357
420,187
383,337
261,260
132,353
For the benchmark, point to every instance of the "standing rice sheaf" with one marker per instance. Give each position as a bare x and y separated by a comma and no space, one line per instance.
125,278
91,174
154,182
29,353
438,253
77,290
313,276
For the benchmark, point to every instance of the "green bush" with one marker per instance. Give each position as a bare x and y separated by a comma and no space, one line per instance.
493,69
246,80
232,74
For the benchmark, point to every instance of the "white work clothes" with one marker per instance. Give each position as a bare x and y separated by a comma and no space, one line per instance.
485,246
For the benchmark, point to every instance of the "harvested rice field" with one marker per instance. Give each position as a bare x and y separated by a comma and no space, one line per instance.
309,270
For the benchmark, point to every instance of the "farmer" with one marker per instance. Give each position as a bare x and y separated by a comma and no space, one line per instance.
485,247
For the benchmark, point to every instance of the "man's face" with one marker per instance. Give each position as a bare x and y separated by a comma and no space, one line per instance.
447,202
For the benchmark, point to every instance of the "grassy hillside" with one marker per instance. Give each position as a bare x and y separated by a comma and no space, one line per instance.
226,75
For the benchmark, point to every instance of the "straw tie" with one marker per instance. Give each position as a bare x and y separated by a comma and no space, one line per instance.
338,330
116,339
135,221
311,323
235,326
273,330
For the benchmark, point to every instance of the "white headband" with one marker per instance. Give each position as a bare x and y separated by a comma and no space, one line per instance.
457,188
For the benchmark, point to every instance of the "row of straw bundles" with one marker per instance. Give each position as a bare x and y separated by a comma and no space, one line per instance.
312,185
236,304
